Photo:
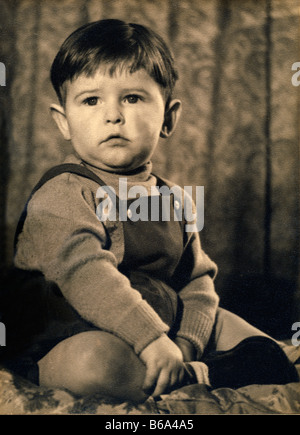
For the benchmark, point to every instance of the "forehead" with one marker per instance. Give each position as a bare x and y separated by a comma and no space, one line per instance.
119,80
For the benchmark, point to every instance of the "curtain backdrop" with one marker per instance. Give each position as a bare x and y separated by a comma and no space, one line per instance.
238,135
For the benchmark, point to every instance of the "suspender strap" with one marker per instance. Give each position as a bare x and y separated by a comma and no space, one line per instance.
72,168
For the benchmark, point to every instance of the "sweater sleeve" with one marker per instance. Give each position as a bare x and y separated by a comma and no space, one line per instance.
194,280
63,238
200,301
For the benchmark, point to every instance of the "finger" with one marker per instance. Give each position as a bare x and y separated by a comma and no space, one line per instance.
162,384
150,380
177,378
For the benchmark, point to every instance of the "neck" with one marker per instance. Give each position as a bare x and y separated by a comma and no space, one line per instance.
140,170
139,176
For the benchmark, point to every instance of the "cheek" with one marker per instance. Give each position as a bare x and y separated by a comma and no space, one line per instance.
149,125
81,130
75,126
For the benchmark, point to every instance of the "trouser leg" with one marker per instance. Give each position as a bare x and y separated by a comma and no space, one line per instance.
230,329
239,354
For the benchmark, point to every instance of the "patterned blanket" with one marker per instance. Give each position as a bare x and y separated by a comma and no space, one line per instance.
19,396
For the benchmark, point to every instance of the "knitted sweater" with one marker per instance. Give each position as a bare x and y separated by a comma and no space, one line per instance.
63,238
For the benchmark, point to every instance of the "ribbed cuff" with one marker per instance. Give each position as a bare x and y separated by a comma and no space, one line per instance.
200,372
196,327
141,326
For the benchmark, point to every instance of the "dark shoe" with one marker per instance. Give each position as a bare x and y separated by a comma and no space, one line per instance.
255,360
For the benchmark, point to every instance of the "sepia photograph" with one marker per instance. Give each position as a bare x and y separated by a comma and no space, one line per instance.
149,210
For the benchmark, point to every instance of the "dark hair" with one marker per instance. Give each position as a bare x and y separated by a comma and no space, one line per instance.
118,45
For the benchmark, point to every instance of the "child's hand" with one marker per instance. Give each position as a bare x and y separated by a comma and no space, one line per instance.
164,366
188,350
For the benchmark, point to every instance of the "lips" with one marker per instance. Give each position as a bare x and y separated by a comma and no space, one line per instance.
115,139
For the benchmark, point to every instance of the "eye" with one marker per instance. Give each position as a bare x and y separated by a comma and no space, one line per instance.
91,101
132,99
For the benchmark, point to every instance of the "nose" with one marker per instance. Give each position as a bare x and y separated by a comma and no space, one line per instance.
114,115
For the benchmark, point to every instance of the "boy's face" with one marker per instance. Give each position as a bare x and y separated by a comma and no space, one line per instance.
114,122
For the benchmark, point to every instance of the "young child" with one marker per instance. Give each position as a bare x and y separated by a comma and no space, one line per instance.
138,300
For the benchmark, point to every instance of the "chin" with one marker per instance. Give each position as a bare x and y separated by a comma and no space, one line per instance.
124,166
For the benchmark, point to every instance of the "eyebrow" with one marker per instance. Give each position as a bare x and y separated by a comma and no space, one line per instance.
125,91
86,91
132,90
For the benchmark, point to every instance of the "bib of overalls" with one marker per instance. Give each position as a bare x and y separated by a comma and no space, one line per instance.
153,249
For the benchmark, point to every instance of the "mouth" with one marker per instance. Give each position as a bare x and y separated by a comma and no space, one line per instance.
115,139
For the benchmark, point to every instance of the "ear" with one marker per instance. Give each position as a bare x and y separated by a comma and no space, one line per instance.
59,116
172,115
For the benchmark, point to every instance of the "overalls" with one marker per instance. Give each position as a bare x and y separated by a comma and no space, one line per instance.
153,250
